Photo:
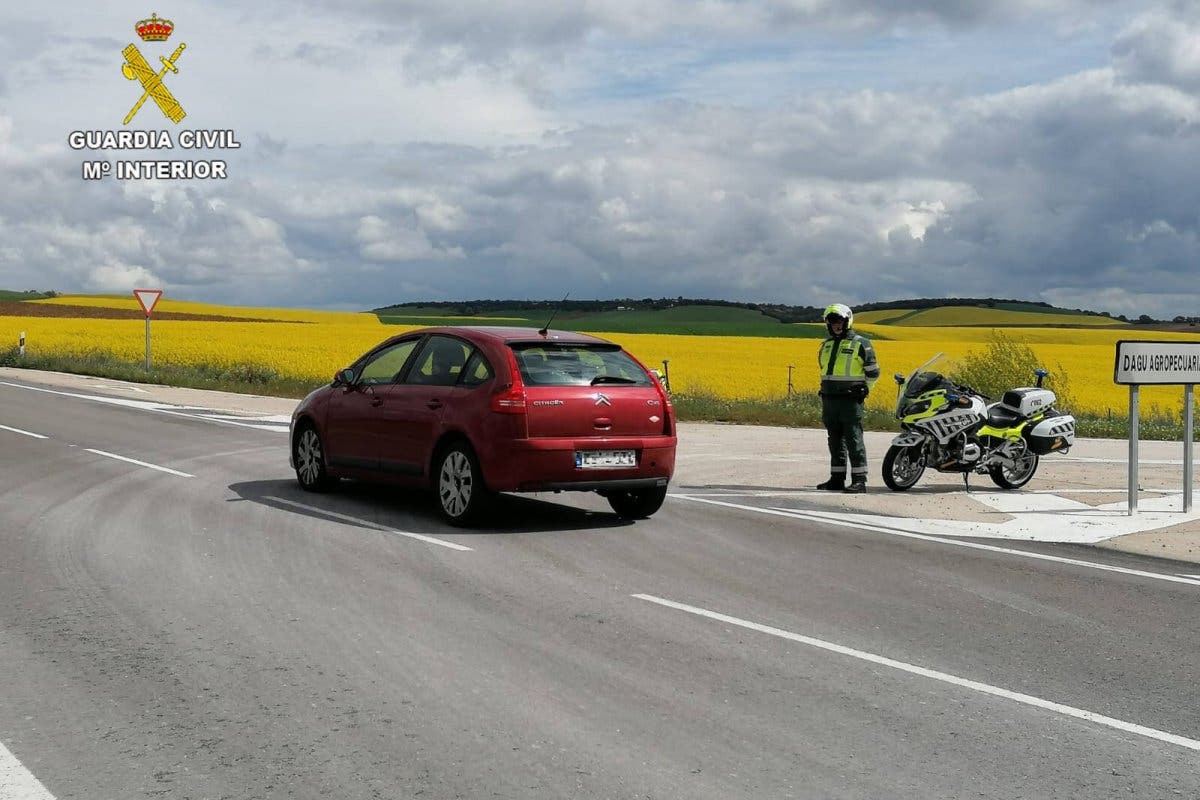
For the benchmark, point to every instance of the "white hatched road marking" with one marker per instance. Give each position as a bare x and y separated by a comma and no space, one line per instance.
168,470
355,520
876,528
18,783
23,433
966,683
1041,517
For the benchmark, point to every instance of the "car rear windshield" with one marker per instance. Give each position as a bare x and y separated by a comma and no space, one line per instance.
570,364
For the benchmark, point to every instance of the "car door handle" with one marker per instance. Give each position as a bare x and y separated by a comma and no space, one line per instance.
376,401
434,404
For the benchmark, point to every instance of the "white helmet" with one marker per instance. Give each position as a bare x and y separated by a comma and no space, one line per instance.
838,310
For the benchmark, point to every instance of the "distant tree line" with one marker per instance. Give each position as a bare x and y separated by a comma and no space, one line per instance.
779,311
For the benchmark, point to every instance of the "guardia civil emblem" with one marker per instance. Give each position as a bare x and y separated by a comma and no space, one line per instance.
136,68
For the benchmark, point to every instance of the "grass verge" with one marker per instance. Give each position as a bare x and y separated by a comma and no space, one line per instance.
797,411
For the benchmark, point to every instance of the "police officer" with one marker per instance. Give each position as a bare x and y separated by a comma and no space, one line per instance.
848,371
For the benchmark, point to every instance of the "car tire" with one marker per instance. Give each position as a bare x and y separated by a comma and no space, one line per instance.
458,484
308,454
637,503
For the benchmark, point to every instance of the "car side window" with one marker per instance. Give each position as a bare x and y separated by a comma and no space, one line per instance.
384,366
477,370
440,361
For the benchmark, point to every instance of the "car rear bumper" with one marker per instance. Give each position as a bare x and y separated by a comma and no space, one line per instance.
532,465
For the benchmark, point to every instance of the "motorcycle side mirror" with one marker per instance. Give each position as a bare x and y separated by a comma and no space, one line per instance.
898,378
1041,375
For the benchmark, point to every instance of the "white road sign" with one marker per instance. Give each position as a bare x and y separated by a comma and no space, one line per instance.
147,299
1170,363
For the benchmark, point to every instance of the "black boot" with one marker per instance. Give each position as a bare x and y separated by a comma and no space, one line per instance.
858,485
836,483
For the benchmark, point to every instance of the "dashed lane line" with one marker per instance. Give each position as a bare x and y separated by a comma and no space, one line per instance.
145,464
367,523
23,433
954,680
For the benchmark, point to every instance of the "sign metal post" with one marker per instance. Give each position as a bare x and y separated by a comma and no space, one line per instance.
147,299
1140,362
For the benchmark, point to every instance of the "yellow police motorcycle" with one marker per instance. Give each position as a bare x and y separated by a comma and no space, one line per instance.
953,428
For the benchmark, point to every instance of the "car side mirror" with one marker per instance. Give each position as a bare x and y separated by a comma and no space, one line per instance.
344,377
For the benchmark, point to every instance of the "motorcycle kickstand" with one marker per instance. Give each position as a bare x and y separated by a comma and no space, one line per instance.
966,482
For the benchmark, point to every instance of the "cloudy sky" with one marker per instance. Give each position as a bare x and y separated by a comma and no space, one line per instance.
795,151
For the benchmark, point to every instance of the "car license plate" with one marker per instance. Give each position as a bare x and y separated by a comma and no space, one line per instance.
605,459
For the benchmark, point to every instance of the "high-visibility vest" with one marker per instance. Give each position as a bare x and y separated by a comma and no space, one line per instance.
847,362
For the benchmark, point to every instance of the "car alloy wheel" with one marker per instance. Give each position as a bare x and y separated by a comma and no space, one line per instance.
310,461
460,487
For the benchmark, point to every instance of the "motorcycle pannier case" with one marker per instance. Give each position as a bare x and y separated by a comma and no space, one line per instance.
1027,402
1052,435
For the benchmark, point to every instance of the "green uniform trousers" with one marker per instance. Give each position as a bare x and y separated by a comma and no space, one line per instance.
842,417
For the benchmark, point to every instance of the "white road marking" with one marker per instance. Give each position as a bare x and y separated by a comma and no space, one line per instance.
362,522
139,463
116,388
877,528
1122,490
966,683
1040,517
23,433
259,423
18,783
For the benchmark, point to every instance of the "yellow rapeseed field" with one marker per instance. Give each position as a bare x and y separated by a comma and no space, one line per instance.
312,345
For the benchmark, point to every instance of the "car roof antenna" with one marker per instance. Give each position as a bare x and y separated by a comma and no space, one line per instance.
542,330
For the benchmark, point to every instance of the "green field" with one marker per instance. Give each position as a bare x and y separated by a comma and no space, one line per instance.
708,320
1003,315
693,320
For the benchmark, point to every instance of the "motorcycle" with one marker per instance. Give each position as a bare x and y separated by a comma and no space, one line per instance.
954,428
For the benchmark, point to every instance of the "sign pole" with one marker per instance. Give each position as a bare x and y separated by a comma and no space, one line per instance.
1188,404
147,299
1143,362
1133,448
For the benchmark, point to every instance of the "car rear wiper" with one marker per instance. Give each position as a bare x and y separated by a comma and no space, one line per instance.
611,379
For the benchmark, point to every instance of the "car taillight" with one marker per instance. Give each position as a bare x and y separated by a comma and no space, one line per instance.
668,409
511,398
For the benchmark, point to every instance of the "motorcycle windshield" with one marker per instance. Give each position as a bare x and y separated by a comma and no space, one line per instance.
918,382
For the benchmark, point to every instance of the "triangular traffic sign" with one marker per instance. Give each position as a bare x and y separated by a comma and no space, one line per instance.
147,298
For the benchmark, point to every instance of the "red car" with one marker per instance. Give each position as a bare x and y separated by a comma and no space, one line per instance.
476,410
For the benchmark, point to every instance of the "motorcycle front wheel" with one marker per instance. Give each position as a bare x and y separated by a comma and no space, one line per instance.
1016,476
903,466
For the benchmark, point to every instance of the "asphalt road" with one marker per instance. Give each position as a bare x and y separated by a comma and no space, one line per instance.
214,632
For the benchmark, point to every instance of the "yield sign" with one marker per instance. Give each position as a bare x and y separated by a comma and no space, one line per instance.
147,298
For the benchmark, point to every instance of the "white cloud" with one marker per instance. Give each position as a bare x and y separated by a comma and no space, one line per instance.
397,240
1161,46
119,278
393,140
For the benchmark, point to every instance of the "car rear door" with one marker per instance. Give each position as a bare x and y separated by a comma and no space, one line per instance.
412,411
